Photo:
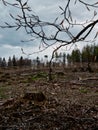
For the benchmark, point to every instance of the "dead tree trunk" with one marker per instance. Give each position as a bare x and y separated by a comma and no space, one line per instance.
50,71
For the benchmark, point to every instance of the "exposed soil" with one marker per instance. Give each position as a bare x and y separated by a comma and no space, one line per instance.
70,101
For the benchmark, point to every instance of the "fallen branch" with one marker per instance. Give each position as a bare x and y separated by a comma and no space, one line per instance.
90,78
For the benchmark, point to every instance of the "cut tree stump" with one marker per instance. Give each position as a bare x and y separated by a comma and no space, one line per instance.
35,96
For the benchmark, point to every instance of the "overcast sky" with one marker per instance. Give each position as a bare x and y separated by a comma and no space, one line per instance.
48,10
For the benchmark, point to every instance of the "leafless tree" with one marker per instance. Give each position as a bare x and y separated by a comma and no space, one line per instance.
65,24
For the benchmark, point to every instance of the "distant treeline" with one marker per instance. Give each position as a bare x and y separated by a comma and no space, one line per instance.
15,62
89,53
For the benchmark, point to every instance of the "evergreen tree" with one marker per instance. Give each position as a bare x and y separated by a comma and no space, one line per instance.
75,55
87,54
21,62
3,64
69,60
0,61
64,59
14,61
10,62
38,62
95,55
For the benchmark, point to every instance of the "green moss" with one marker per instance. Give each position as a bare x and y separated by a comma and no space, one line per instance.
39,76
3,90
83,90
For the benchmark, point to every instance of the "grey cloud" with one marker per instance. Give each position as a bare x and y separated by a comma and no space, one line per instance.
47,10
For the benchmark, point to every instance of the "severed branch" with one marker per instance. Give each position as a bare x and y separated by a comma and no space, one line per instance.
90,78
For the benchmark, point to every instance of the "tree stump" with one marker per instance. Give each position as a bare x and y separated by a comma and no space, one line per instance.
35,96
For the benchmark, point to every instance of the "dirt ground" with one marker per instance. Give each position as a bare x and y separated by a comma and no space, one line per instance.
70,101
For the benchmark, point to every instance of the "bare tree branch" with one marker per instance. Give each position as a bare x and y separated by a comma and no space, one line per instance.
35,27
